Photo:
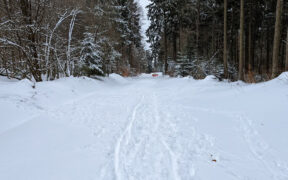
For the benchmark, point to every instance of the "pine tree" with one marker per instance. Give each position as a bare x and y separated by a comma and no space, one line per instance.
128,26
90,60
165,18
155,30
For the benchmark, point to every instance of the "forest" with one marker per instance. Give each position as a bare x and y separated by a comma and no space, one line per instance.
46,40
243,39
237,40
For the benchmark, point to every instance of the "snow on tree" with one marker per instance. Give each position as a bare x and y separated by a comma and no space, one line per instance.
90,60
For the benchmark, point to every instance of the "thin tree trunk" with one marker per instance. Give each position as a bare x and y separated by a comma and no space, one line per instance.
250,44
225,41
267,53
277,37
286,63
233,41
49,41
34,66
179,39
174,46
241,44
197,28
166,53
70,65
260,60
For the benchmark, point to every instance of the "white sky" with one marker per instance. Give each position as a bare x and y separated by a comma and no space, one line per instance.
145,21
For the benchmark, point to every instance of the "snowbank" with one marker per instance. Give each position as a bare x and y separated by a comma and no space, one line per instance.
22,100
117,78
283,76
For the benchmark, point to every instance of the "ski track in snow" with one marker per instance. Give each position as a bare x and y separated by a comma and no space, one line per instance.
260,149
126,134
152,142
277,169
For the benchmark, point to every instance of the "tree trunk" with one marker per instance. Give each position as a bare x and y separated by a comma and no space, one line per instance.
197,29
277,37
70,64
174,46
34,67
165,52
267,53
286,63
260,60
225,41
250,59
241,44
179,40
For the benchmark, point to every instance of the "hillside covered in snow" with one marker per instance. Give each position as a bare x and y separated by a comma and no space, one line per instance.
143,128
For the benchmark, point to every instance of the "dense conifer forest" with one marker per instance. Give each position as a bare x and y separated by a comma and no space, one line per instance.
46,40
230,39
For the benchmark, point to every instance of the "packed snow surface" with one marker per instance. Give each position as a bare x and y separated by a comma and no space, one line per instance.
143,128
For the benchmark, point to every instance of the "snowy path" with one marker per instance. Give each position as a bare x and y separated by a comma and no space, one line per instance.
153,129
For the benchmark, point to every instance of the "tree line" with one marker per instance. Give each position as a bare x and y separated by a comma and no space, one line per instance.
49,39
244,39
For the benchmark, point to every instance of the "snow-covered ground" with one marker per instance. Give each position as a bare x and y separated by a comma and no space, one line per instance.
143,128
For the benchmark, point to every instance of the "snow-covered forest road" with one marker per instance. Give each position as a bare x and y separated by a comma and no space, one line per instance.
144,128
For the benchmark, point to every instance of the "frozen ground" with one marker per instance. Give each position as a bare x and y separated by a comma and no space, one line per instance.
143,128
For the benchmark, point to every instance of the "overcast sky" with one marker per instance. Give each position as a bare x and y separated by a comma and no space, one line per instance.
145,22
